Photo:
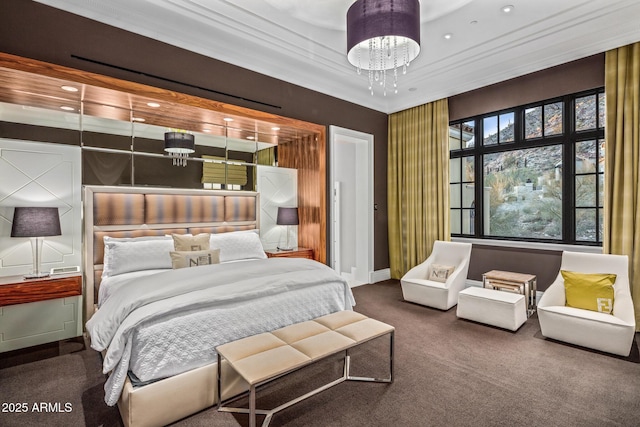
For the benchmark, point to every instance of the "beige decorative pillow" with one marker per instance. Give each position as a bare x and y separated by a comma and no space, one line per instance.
187,242
184,259
439,273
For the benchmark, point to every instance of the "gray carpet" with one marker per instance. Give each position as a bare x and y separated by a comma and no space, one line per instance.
449,372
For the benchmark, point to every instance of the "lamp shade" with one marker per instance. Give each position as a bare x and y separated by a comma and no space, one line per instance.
35,222
390,28
287,216
179,143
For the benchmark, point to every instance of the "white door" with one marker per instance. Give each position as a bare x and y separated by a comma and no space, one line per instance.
351,175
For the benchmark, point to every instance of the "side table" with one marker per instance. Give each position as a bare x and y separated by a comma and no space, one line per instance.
39,311
525,284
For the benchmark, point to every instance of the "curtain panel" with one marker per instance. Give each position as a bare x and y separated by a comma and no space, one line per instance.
418,184
266,156
622,175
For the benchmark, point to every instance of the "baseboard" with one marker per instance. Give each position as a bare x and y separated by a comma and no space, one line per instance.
380,275
477,283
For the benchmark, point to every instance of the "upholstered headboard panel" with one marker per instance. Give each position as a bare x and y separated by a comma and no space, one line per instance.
135,212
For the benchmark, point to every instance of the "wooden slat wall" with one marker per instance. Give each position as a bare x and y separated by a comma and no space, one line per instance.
308,156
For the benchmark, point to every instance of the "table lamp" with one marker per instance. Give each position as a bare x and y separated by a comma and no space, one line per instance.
36,223
288,217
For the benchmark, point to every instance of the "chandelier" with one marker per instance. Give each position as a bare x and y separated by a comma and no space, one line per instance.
179,144
383,35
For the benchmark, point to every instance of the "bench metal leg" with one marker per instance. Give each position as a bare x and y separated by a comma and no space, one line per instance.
252,406
252,411
347,365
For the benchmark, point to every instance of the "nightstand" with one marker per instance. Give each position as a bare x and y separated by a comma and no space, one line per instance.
38,311
295,253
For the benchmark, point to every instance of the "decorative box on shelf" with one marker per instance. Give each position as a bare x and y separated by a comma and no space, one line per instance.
295,253
38,311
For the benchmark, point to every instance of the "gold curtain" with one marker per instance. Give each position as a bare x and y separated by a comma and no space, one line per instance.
266,156
622,175
217,173
418,183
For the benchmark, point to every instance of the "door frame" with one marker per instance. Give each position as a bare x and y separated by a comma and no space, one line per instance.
339,133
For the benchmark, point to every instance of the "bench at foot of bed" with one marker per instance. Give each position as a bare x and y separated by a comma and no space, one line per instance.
262,358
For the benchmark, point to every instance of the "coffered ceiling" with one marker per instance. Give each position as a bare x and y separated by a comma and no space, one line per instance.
304,41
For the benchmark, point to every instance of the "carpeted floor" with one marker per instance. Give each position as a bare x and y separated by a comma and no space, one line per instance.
449,372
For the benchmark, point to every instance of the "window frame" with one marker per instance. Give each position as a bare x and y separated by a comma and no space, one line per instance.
568,140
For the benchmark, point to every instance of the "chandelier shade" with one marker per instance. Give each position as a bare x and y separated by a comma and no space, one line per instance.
383,35
179,142
179,145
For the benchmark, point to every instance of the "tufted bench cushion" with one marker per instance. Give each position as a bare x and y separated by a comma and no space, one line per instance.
264,357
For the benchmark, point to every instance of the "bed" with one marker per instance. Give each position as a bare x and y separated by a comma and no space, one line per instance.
157,326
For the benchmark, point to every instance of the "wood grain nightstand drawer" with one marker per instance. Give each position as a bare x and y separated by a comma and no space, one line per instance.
295,253
16,290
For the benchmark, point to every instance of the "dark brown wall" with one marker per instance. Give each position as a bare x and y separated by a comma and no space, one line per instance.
33,30
576,76
542,263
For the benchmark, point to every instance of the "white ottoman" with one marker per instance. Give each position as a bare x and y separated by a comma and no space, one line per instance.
498,308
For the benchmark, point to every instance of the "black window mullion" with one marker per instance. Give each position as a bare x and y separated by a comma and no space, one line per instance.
478,178
568,194
568,140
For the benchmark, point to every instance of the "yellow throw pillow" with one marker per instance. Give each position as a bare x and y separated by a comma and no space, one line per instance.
589,291
185,259
186,242
440,273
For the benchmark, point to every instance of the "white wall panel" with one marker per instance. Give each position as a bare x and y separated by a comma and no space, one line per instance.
277,187
25,325
40,174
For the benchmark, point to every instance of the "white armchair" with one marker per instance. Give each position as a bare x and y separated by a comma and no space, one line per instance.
611,333
416,287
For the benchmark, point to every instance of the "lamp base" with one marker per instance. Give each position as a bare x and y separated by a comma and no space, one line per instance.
284,249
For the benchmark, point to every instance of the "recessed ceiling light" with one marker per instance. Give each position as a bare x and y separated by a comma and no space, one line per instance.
138,119
448,36
69,88
413,89
474,22
507,9
275,128
65,108
228,119
153,104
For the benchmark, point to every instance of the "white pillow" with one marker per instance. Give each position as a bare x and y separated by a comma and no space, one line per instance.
186,259
124,255
439,273
189,242
238,245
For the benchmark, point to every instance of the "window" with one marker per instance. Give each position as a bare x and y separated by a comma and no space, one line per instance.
536,175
